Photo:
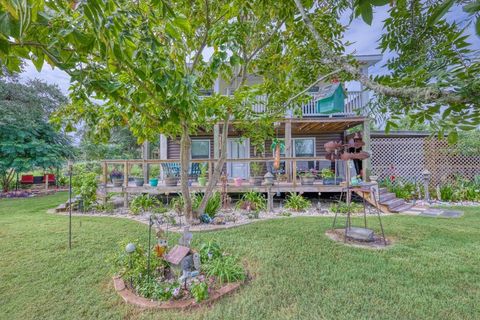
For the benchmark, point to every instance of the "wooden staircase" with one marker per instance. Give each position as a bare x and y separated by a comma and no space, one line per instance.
388,202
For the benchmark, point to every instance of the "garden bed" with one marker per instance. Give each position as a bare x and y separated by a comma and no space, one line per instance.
129,296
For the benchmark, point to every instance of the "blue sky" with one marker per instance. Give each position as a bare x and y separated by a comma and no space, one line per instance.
363,37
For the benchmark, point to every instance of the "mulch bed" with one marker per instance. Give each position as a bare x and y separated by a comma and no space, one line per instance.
131,298
378,243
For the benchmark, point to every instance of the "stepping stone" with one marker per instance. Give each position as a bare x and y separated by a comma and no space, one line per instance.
451,214
360,234
429,213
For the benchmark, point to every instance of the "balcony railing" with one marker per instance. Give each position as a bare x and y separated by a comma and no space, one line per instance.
353,105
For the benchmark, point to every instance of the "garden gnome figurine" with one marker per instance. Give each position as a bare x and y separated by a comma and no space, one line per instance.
186,237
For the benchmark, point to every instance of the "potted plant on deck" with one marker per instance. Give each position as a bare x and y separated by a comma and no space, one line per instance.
171,179
308,177
116,177
256,171
328,176
202,178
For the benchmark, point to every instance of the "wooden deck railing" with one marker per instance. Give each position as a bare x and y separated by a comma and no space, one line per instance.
290,164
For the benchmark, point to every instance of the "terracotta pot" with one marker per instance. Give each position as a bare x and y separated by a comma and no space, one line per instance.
362,155
256,181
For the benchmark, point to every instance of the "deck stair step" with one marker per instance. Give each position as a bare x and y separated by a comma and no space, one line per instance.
386,196
393,203
382,190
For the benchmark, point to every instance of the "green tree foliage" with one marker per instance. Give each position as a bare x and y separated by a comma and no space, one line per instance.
121,144
27,140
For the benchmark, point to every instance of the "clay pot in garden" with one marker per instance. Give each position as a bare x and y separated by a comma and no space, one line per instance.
331,146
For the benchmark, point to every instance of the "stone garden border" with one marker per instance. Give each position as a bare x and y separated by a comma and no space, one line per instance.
131,298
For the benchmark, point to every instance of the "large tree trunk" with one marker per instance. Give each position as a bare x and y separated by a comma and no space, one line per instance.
185,143
217,171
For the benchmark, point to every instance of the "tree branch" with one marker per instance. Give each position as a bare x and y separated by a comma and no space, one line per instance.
418,94
205,38
312,85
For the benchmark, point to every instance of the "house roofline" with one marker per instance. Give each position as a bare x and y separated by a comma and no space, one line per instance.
400,133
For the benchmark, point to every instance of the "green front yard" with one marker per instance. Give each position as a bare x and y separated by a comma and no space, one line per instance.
433,271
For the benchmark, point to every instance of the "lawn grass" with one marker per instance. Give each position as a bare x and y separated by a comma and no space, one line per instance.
432,272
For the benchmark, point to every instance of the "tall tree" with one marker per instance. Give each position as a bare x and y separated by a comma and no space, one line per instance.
27,140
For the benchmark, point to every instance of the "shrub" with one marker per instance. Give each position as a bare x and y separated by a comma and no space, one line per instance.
85,185
343,207
252,201
143,203
225,269
296,202
105,207
212,207
209,250
150,288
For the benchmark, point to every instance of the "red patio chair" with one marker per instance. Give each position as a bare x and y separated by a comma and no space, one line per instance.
26,179
50,177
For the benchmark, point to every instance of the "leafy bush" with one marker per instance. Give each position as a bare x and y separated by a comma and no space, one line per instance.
403,189
212,207
143,203
105,207
225,269
296,202
252,201
199,291
343,207
132,266
85,185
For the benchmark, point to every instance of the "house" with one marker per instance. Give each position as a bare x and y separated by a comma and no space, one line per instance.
330,112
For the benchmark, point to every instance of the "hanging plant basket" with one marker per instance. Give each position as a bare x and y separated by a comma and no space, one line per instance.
331,146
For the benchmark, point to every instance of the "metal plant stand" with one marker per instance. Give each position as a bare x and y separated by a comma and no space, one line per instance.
348,196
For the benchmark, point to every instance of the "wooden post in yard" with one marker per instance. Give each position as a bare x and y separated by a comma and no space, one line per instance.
288,149
46,182
145,166
366,164
270,199
125,184
105,181
294,163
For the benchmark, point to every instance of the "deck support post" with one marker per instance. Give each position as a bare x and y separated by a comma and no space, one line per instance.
125,184
270,199
216,141
366,164
288,149
145,167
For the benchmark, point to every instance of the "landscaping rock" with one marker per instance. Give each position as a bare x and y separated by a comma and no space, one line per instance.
451,214
360,234
219,219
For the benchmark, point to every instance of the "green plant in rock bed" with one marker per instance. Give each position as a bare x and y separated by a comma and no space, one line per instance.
152,289
343,207
225,269
105,207
142,203
296,202
213,204
252,201
199,291
403,189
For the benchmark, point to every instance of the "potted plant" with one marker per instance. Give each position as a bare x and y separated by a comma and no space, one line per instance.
117,178
308,178
171,180
237,182
153,182
256,171
328,176
282,177
202,178
139,181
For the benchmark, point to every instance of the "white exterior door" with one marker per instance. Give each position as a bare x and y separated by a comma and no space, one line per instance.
238,149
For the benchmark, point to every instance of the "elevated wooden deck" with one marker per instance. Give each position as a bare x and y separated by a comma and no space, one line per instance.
285,187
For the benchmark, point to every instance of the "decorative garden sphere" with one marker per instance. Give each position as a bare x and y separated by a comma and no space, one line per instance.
130,248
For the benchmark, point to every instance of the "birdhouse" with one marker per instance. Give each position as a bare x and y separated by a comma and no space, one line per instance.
183,260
